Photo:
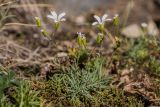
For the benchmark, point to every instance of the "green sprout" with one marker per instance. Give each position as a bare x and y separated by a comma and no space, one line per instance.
116,20
81,39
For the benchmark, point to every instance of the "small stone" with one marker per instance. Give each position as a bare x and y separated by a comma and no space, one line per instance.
60,48
152,29
125,72
125,79
62,54
132,31
80,20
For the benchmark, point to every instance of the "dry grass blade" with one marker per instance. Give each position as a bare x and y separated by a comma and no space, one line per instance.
32,5
7,3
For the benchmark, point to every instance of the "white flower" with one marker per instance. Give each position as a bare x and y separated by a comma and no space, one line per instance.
102,20
57,18
81,39
81,35
115,16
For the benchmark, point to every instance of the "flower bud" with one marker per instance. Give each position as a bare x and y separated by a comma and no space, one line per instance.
81,39
116,20
84,41
100,38
101,27
38,22
56,25
44,32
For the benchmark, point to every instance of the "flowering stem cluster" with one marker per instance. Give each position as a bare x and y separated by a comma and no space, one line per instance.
101,26
81,39
39,25
56,19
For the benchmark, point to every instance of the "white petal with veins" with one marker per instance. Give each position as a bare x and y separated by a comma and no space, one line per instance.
104,17
61,16
57,18
98,18
63,19
54,14
108,20
95,23
50,16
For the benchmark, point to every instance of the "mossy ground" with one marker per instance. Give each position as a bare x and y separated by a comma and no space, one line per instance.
33,75
90,84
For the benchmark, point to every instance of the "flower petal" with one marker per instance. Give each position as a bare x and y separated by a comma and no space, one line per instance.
98,18
79,33
63,19
108,20
104,17
54,14
50,16
61,16
94,23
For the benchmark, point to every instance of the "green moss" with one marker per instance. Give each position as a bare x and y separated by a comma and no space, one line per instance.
139,50
154,65
117,98
77,86
86,87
